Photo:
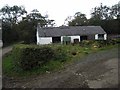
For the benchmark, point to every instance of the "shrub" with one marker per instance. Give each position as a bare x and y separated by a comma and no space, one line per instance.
117,41
114,41
100,43
60,54
86,42
27,57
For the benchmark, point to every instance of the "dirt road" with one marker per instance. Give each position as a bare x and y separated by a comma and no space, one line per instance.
97,70
3,51
6,50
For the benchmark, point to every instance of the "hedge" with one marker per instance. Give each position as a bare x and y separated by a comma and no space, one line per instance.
99,43
60,54
28,57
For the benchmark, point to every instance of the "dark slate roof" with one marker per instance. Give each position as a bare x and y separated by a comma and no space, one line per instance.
69,31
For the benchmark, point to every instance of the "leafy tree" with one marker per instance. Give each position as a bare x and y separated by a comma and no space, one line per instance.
27,27
36,17
11,14
9,35
15,29
68,20
106,13
107,18
101,12
79,20
50,23
115,10
27,31
111,26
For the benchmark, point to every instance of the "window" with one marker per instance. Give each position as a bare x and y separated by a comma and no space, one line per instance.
101,36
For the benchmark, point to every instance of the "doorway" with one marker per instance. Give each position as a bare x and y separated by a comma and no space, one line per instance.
56,39
83,38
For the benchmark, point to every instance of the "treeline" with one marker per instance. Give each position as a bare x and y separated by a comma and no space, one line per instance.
106,17
18,25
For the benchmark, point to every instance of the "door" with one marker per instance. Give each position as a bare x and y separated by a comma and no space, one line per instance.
56,39
83,38
76,41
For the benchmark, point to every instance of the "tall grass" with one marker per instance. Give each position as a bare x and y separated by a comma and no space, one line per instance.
74,52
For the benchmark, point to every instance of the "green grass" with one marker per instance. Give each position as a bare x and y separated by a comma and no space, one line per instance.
8,64
8,68
53,65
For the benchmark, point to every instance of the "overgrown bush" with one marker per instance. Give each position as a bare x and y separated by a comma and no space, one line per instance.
114,41
86,42
99,43
102,43
73,52
60,54
28,57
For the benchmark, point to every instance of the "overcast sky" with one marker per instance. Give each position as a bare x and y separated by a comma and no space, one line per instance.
59,9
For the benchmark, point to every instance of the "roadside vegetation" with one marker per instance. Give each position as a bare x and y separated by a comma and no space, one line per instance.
26,60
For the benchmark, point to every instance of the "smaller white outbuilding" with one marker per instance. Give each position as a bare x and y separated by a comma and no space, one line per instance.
69,34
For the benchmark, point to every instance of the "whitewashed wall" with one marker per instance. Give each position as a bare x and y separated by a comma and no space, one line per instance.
48,40
37,38
72,38
45,40
96,36
105,36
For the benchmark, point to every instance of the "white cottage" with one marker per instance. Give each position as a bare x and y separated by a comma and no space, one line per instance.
69,34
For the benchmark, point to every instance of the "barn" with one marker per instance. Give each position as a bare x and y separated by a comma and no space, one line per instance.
69,34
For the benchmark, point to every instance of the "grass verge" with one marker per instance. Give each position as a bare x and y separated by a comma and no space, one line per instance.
74,52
